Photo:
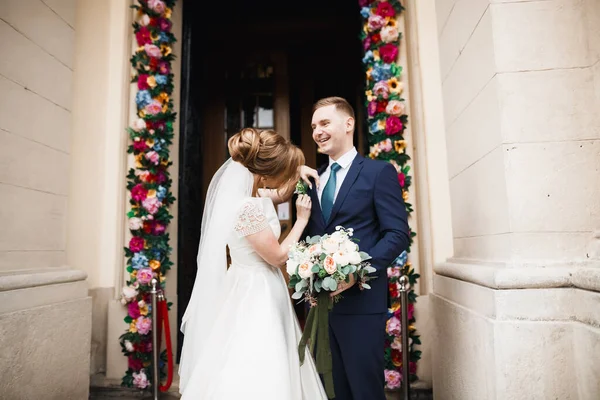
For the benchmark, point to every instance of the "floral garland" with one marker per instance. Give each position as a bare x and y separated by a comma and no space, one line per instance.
387,120
148,183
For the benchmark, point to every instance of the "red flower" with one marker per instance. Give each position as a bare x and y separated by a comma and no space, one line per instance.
149,125
393,125
411,311
364,3
139,192
376,38
143,36
165,24
161,177
151,178
136,244
153,22
160,126
385,9
401,179
134,363
396,357
393,289
148,225
381,105
134,310
153,63
412,367
143,82
388,53
139,145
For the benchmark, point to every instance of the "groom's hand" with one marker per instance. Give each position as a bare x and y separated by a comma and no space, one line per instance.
342,286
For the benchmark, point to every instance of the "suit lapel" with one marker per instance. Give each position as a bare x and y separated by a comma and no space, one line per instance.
314,196
349,180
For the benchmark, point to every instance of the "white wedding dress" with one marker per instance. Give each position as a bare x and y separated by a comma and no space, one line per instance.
250,350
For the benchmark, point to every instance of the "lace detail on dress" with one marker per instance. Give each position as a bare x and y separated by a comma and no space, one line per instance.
250,220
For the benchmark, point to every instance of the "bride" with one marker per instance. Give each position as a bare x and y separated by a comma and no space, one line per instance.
241,332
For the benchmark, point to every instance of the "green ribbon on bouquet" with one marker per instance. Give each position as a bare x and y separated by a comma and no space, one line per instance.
317,330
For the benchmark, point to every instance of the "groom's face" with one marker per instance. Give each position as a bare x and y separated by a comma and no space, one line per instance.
332,131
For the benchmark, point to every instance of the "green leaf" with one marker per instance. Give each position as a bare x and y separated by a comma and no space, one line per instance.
297,295
301,285
366,286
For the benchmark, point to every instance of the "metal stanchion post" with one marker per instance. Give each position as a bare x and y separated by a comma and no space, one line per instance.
404,286
155,349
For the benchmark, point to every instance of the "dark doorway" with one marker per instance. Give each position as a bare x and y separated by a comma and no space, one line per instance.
261,63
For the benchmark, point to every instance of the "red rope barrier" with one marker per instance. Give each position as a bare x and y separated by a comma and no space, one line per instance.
163,318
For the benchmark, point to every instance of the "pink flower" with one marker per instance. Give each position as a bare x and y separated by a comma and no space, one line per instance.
139,192
388,52
395,107
159,229
151,204
393,379
375,22
372,108
367,43
143,82
139,125
144,276
139,145
153,157
152,50
134,310
401,181
393,325
385,9
163,68
393,272
363,3
140,380
136,244
164,24
157,6
143,36
389,34
386,145
382,89
393,125
397,343
143,325
411,311
154,108
161,177
142,174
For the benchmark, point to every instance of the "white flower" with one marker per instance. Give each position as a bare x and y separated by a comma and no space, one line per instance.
138,125
145,20
128,346
330,245
135,223
304,270
314,249
339,236
389,34
129,293
349,246
340,258
291,266
140,380
354,258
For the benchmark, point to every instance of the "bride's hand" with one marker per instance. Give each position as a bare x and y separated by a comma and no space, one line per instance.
303,207
306,173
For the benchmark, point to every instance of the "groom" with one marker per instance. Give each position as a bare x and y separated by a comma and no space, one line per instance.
365,195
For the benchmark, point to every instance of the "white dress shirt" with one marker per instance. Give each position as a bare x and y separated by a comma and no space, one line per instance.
344,162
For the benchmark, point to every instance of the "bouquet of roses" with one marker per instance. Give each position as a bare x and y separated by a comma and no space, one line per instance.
317,266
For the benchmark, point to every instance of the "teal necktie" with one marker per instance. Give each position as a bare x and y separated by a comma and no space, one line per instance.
329,192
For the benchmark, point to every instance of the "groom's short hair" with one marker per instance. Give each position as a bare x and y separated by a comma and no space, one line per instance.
339,102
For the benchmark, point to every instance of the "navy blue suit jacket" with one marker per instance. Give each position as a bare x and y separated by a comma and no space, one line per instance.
369,201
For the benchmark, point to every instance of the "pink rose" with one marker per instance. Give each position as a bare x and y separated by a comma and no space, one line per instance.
140,380
393,325
385,9
159,229
393,125
136,244
142,174
386,145
395,107
152,50
397,343
401,181
144,276
393,379
143,82
151,204
367,43
157,6
154,107
375,22
389,34
143,325
153,157
133,310
393,272
139,192
143,36
382,89
139,145
388,52
329,265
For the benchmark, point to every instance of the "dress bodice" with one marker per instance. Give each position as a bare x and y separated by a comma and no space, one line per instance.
254,215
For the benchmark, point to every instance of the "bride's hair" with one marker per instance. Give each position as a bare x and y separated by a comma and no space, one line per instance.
266,153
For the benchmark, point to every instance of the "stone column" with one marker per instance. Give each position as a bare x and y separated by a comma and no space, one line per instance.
516,308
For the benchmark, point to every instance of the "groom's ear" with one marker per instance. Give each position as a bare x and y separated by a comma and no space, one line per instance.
350,124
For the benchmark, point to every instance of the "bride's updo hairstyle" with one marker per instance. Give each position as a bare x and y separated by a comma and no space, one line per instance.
267,154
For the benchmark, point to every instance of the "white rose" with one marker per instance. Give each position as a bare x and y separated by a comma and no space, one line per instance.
135,223
340,258
339,236
330,245
354,258
291,266
349,246
129,293
139,124
304,270
145,20
128,346
389,34
314,249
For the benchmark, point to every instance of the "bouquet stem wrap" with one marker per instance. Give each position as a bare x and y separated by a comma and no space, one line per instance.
317,330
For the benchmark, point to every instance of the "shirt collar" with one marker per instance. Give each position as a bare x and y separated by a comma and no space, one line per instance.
345,160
